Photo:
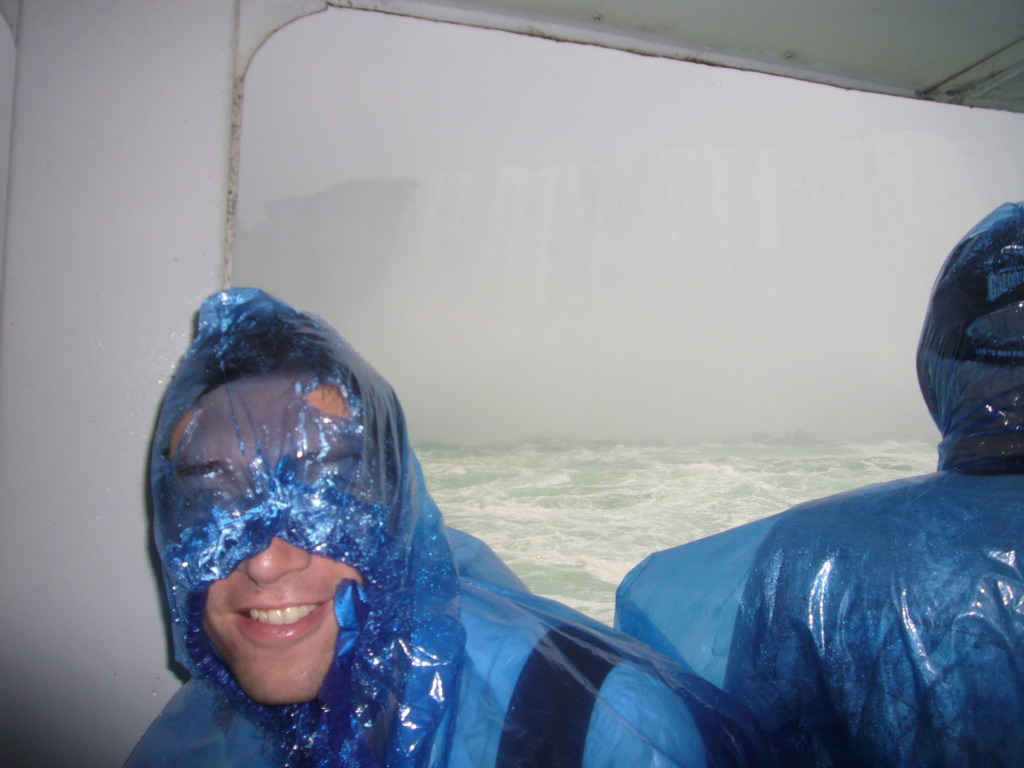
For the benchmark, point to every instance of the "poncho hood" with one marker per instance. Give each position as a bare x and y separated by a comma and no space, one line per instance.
352,492
971,352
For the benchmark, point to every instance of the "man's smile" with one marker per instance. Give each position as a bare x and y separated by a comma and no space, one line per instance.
287,615
268,628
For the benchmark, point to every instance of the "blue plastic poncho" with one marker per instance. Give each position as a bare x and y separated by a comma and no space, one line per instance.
883,626
442,657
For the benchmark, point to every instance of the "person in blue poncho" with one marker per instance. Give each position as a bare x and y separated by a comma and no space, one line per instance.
326,615
884,626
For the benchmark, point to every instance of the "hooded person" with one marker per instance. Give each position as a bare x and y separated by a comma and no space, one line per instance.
326,615
883,626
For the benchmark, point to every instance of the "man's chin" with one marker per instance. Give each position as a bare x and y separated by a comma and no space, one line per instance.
275,693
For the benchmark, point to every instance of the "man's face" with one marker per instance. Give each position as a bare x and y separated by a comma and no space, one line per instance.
272,618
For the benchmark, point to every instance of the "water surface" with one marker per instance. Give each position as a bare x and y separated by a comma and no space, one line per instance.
571,518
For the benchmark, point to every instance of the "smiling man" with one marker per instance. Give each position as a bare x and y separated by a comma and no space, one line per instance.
271,618
329,618
280,652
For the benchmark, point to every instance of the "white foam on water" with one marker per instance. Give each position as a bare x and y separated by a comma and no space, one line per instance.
571,518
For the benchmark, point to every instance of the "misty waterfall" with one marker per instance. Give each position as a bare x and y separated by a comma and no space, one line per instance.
699,292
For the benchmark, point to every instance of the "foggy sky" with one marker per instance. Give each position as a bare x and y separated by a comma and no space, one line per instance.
347,97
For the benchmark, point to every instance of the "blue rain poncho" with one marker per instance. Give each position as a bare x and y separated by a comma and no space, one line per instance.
442,658
883,626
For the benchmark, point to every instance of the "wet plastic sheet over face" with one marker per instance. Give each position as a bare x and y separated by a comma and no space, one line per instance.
883,626
255,460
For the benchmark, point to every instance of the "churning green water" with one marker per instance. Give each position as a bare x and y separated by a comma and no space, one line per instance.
571,518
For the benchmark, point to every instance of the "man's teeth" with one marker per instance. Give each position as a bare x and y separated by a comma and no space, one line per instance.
288,615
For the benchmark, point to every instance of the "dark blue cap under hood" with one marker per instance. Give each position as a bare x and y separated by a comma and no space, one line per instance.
970,360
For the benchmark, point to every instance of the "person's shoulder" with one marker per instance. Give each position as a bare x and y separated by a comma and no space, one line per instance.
904,487
475,560
638,719
645,708
198,728
865,510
